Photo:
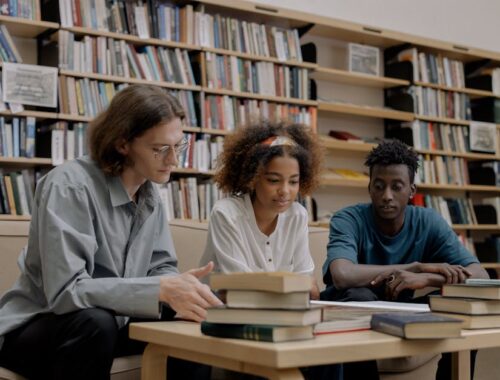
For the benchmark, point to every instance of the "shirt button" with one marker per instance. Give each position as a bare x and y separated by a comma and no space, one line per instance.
267,243
269,260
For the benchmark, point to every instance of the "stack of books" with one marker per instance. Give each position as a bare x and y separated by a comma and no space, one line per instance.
266,306
476,303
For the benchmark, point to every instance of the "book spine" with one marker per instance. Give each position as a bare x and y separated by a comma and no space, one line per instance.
249,332
381,325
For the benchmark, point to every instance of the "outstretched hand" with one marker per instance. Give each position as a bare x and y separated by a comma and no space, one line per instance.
187,295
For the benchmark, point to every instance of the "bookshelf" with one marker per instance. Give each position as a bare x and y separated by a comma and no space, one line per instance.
345,100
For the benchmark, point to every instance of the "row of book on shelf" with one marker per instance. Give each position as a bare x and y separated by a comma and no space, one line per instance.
276,307
29,9
425,67
442,170
202,151
264,78
108,56
430,102
227,113
16,192
156,19
8,49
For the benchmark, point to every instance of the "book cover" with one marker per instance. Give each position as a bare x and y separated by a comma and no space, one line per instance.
473,322
266,333
417,325
279,282
254,299
469,306
304,317
472,290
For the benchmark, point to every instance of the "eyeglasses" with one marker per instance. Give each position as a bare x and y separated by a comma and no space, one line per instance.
162,153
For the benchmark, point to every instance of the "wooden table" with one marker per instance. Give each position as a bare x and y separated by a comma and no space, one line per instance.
283,360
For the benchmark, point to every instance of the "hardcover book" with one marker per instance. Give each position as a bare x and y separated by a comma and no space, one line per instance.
472,290
470,306
417,325
473,322
266,333
264,316
254,299
279,282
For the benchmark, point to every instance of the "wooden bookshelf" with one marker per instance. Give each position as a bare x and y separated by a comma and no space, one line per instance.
252,57
476,227
15,218
40,115
333,144
22,27
358,110
136,40
24,162
249,95
470,91
491,265
444,120
357,79
347,182
118,79
221,132
77,118
193,171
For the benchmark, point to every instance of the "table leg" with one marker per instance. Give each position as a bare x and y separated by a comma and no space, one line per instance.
460,365
154,362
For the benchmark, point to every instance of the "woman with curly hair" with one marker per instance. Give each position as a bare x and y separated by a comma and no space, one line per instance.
260,227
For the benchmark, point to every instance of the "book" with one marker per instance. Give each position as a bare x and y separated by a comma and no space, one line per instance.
254,299
472,322
377,305
470,306
344,318
482,281
470,290
266,333
304,317
345,136
417,325
279,282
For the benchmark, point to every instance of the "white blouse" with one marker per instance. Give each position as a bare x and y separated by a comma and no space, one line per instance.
235,243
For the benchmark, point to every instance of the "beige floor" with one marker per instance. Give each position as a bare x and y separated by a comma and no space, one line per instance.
488,364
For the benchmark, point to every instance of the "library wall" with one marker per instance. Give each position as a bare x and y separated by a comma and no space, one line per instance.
472,23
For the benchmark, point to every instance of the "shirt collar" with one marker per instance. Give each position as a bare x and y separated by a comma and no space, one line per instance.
117,192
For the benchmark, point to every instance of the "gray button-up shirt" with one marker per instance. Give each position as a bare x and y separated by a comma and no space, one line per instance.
90,246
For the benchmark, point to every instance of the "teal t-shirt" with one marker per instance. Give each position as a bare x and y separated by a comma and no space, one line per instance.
425,237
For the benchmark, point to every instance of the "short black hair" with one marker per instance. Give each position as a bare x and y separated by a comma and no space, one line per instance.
393,152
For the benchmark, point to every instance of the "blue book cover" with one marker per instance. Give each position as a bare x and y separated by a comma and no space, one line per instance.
30,137
15,137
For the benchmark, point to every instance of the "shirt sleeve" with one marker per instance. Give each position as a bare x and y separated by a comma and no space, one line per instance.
302,260
342,242
224,244
164,259
67,245
444,246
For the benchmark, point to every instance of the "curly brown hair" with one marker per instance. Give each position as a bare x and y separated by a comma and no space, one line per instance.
244,157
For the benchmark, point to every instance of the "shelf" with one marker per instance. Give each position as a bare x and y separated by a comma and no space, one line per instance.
491,265
130,37
377,112
444,120
221,132
476,227
22,27
470,91
270,98
253,57
363,183
357,79
77,118
114,78
334,144
23,161
193,171
20,218
36,114
470,156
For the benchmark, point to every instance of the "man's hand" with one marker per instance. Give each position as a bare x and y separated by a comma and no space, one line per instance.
454,274
187,295
401,280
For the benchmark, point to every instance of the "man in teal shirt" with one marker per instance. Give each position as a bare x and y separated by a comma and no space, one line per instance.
386,249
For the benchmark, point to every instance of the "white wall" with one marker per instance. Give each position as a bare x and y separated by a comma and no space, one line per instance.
472,23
